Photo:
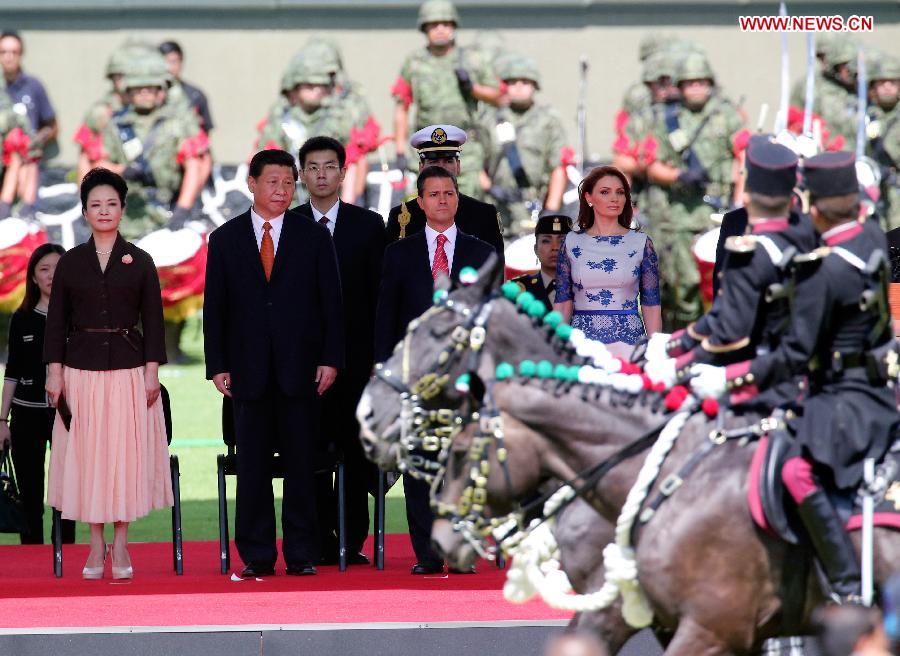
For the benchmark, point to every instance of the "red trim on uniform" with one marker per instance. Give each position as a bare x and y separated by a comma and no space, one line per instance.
744,394
844,235
797,476
740,140
737,369
402,92
886,519
770,225
676,347
192,147
754,498
566,156
17,141
684,360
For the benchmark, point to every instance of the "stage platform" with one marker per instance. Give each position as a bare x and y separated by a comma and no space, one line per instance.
362,611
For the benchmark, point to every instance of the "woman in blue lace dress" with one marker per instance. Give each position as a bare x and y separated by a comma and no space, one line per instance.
607,275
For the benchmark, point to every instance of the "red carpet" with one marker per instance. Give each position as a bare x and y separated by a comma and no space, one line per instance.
32,597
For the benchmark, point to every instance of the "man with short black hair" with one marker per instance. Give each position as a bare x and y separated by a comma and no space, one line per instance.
411,266
273,330
358,236
29,99
174,55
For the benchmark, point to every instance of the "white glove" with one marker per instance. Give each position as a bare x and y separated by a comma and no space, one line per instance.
708,381
662,371
656,347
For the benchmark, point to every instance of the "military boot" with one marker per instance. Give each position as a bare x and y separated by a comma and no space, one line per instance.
833,547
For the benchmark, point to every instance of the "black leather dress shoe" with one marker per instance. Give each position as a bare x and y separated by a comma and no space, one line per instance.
300,569
428,568
254,570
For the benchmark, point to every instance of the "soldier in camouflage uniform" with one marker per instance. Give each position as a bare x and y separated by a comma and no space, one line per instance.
16,139
883,133
696,152
445,84
836,100
309,108
156,146
528,154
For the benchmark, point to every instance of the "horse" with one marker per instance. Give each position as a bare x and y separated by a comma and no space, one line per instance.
708,573
382,418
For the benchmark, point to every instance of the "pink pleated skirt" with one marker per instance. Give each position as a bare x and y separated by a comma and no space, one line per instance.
112,465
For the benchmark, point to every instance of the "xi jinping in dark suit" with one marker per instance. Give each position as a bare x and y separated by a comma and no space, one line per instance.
358,236
274,340
407,285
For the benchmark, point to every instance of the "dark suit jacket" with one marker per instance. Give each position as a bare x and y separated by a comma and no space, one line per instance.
407,287
359,242
283,328
473,217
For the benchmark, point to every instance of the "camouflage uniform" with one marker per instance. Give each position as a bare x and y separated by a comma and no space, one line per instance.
835,103
15,129
883,134
710,133
157,143
540,140
430,83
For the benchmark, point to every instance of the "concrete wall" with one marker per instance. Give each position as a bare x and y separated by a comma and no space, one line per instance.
236,54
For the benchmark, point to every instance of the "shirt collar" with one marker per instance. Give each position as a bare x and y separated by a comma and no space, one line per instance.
546,279
450,233
258,220
841,233
331,214
776,224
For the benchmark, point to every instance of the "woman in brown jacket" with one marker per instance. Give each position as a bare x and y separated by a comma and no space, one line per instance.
109,461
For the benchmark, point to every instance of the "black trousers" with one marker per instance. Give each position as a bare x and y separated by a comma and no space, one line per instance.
287,425
420,518
31,430
340,431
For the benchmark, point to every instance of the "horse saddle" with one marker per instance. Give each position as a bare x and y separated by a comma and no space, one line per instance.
773,510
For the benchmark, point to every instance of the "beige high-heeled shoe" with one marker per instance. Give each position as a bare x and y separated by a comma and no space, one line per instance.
121,573
95,573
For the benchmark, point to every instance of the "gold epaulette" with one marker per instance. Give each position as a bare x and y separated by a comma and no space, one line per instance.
693,334
741,244
724,348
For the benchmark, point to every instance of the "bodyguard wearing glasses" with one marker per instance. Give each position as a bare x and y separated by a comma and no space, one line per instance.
359,241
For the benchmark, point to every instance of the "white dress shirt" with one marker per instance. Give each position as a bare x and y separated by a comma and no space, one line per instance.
275,232
449,246
547,280
331,215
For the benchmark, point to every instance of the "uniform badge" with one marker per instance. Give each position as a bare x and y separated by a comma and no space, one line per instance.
741,244
873,129
132,149
678,139
439,136
557,226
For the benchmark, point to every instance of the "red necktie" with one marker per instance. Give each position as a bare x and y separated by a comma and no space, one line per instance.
440,265
324,221
267,250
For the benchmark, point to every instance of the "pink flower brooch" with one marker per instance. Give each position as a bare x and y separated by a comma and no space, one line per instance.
127,259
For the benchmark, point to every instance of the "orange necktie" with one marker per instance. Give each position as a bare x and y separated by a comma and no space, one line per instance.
267,250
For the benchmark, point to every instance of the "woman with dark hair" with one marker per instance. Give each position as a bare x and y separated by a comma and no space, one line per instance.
109,462
607,275
26,418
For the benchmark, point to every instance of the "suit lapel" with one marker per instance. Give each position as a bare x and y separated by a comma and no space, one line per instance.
246,244
288,230
343,233
460,253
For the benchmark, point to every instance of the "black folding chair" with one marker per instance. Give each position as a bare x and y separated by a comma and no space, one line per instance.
331,462
177,539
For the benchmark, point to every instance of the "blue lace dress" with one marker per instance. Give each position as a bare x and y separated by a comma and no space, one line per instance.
608,278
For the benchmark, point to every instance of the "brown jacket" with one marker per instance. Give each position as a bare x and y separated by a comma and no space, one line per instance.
126,296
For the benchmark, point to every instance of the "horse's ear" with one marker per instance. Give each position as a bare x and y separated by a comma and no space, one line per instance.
475,286
443,283
491,272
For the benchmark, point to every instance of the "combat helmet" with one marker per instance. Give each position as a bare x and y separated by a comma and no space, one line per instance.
883,66
519,67
305,70
694,66
437,11
147,69
324,51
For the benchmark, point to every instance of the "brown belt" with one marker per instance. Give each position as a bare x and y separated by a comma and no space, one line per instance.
124,332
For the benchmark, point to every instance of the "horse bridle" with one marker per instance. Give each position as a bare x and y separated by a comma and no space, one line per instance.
427,432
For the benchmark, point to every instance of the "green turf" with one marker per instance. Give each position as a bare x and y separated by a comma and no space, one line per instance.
196,422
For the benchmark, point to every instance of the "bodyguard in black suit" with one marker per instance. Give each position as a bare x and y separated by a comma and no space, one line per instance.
274,339
358,236
410,267
439,145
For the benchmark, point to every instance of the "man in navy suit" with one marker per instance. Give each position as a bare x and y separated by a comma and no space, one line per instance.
411,266
359,241
273,329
